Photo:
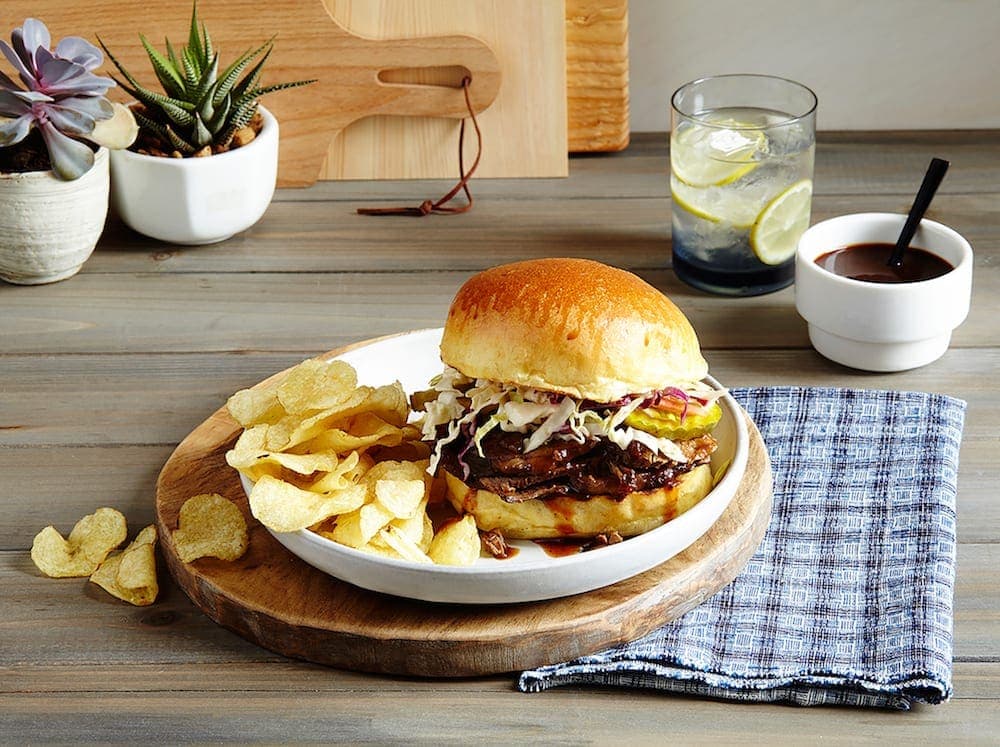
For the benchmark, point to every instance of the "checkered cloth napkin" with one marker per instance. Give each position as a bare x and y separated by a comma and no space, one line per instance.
848,600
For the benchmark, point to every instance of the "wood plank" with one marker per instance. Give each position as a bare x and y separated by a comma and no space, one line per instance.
320,237
394,717
85,626
972,680
98,313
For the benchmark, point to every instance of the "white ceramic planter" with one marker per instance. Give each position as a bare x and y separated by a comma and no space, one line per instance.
197,200
48,226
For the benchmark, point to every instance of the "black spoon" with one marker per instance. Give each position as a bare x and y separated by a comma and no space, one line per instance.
932,180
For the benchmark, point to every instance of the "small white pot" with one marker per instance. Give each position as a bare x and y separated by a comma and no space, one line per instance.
49,226
197,200
881,326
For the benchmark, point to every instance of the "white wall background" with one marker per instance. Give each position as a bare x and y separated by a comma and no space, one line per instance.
874,64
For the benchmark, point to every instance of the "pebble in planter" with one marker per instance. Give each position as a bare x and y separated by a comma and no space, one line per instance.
206,160
55,132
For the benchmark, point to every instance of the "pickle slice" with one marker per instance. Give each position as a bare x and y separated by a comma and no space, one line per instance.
668,425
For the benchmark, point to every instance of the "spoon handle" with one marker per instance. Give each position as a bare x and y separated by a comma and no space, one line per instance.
932,180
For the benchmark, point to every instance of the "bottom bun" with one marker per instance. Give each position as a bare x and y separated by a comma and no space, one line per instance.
564,516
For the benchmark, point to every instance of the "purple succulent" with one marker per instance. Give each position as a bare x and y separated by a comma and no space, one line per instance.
64,99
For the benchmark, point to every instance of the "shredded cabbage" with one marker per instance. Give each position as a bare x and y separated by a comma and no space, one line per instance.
543,415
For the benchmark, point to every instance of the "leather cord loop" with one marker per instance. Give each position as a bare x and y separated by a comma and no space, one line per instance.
441,206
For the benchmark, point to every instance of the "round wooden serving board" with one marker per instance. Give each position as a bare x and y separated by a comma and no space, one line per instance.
277,601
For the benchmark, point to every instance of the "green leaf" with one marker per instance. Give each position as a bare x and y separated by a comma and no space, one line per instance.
178,114
258,92
252,78
172,56
240,117
151,125
202,95
217,122
179,143
125,73
202,136
232,73
192,67
194,40
169,77
207,43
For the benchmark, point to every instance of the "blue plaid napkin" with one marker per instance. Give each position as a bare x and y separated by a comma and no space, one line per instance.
848,600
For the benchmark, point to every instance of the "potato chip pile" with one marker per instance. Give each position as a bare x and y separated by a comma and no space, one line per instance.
326,454
129,575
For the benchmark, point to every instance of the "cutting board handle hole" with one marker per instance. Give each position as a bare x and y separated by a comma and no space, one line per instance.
449,76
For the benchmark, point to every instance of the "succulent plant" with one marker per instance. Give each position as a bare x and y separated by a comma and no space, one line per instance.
63,99
200,105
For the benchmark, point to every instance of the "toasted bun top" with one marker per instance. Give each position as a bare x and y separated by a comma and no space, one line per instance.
573,326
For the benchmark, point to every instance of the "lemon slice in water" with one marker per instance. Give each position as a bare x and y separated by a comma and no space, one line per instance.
716,156
777,229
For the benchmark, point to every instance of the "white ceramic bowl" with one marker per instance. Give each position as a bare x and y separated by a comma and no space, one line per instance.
529,575
197,200
881,326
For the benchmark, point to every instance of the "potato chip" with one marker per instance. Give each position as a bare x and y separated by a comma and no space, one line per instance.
316,385
357,528
417,527
88,544
390,403
210,525
284,507
406,547
347,473
359,432
255,406
402,497
389,470
131,574
253,465
294,429
456,543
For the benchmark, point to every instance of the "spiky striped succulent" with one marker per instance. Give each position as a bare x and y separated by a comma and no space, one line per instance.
199,106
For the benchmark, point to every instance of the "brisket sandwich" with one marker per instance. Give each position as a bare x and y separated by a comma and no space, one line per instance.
571,403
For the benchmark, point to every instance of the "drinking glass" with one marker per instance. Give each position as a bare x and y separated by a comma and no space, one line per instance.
741,166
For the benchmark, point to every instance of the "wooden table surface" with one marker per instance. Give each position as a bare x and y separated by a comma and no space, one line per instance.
103,374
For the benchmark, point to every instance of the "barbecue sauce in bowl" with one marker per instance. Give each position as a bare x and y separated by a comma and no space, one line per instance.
870,263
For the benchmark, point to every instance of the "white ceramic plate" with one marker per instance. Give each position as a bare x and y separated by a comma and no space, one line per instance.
531,574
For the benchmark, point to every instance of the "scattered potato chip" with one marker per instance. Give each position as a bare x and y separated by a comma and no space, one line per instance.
284,507
456,543
131,574
88,544
210,525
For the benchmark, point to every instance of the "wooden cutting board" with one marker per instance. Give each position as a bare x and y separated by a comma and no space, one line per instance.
566,65
277,601
524,129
